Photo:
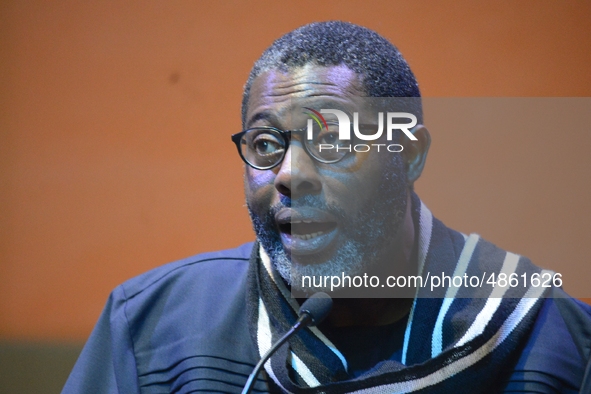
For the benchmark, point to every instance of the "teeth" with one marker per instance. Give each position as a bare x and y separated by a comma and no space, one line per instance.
307,236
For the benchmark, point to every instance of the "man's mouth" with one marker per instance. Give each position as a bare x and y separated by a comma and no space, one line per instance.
306,231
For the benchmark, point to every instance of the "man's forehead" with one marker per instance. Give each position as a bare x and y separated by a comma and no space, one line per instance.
312,74
274,90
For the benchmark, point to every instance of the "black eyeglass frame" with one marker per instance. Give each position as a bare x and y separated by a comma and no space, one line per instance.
286,134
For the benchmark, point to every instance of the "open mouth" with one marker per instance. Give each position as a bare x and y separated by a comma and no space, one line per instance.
306,229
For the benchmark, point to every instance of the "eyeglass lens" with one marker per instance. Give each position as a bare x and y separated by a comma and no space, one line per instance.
265,148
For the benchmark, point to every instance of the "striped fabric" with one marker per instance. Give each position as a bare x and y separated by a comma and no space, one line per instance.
456,339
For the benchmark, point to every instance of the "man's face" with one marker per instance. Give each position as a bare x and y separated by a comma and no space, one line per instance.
314,218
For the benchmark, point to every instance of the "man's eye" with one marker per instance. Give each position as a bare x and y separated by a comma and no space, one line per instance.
328,138
266,145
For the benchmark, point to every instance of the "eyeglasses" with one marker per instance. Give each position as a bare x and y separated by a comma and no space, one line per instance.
264,147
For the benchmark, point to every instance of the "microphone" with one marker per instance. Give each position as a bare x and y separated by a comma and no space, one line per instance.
311,313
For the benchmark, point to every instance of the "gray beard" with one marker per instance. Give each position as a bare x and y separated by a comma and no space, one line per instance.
366,235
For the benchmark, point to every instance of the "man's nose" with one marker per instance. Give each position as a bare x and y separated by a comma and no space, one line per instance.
298,174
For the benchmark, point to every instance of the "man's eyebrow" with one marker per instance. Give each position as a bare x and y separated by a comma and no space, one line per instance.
264,115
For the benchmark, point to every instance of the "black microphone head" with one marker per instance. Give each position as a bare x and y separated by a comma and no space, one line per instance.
317,307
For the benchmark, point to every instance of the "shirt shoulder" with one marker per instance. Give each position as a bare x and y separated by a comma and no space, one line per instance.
183,323
201,269
555,355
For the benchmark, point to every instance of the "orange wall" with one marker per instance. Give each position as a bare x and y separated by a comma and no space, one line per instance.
115,119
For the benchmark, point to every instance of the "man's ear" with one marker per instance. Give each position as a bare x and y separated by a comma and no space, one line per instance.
415,152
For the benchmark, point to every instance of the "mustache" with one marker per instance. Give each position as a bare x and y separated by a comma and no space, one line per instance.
306,201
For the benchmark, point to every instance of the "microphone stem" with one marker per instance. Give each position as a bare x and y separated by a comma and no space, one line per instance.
303,321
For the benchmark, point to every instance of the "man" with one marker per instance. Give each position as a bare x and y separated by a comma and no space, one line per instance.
324,207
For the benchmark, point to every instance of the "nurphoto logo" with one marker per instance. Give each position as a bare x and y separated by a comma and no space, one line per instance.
334,136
